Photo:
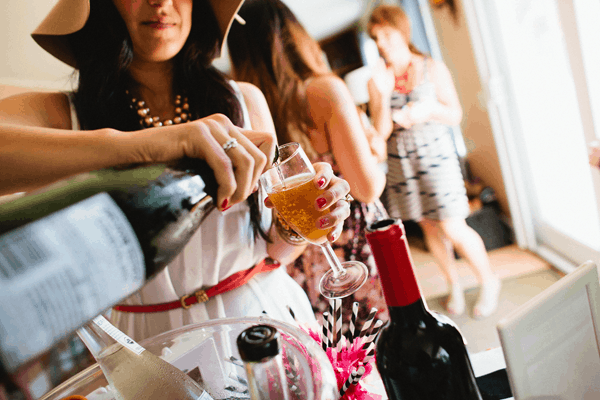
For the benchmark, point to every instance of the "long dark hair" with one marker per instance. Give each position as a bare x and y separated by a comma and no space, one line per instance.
103,76
274,52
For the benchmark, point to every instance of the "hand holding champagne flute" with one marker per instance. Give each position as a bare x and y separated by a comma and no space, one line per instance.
290,187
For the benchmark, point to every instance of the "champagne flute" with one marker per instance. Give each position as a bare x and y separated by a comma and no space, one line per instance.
289,185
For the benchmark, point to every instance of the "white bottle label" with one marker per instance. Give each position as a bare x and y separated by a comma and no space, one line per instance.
119,336
60,271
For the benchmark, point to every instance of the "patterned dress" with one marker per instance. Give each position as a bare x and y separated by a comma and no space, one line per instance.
424,178
352,245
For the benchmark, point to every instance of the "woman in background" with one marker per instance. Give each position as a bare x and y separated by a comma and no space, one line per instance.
313,106
424,179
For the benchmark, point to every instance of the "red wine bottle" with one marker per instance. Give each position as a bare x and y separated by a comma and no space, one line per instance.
75,248
420,354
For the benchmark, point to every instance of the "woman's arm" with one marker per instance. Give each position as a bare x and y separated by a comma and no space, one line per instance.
280,248
381,86
38,148
447,110
333,111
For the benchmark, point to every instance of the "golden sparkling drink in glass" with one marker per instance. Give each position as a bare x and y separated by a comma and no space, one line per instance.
296,204
291,188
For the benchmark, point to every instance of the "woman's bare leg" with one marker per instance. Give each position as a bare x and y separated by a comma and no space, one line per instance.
469,245
441,249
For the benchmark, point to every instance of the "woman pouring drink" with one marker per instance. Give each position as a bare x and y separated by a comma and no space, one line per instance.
147,92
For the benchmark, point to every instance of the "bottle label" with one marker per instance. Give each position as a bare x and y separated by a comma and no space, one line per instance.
60,271
119,336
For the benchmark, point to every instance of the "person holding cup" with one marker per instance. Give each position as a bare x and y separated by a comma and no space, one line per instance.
312,106
424,179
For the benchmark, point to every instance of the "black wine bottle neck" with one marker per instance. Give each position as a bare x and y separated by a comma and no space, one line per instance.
411,314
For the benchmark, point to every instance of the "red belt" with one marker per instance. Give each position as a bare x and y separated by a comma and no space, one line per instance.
232,282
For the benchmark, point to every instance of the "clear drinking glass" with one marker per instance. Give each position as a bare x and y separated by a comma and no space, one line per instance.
289,185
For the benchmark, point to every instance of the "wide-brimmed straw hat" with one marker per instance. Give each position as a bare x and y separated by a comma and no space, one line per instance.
69,16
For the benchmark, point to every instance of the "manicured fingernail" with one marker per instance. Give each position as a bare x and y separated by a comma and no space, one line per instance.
333,237
224,204
324,222
225,209
321,202
321,182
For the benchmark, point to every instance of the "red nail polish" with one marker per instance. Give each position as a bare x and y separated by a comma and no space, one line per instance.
323,222
224,205
321,182
321,202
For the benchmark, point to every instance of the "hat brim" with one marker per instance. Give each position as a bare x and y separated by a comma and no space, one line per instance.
69,16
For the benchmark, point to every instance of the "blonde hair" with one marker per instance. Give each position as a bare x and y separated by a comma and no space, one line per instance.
395,17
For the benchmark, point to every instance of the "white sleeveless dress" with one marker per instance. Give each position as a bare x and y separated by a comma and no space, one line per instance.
223,245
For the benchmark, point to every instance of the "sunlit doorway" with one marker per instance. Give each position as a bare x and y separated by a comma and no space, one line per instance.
538,61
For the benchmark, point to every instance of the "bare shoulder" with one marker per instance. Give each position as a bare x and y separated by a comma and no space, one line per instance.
48,110
326,85
328,93
258,109
250,91
438,69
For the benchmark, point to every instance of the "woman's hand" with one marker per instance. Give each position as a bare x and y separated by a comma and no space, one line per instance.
334,198
382,80
402,117
237,169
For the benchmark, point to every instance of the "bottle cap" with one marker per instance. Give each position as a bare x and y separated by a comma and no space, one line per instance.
258,342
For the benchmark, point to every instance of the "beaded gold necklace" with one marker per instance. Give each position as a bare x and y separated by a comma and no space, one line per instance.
182,109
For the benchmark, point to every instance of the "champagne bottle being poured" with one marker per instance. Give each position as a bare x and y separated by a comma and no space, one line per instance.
75,248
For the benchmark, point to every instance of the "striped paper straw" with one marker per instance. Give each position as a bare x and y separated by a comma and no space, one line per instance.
338,323
359,373
326,334
373,334
352,380
352,327
348,382
365,328
370,354
331,320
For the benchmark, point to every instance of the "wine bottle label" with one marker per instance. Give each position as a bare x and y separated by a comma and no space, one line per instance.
62,270
119,336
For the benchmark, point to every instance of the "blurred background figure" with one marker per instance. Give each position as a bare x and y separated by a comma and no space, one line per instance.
314,107
424,179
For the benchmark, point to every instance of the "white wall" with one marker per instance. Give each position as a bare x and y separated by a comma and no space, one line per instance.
26,64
